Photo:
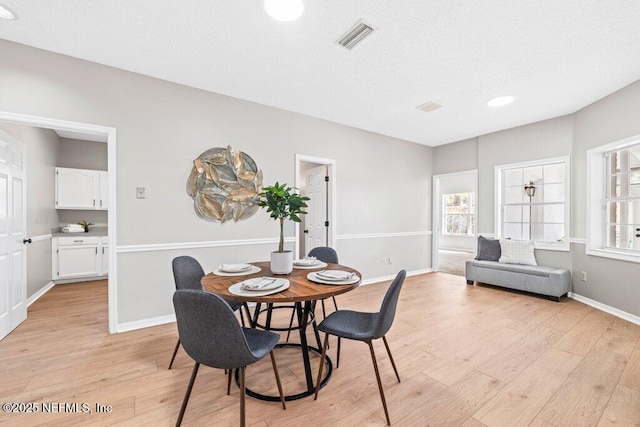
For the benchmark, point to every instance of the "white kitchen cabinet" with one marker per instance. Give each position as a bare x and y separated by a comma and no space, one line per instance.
81,189
104,190
79,257
105,256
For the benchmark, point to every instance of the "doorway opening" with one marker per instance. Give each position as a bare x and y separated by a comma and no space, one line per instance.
455,214
83,132
315,178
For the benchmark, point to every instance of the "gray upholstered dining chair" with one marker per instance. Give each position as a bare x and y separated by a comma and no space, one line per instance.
359,326
187,273
326,254
212,336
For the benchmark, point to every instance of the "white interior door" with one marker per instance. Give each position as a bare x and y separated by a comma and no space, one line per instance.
316,231
13,191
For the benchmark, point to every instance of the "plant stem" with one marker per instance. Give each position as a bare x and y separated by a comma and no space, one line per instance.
281,245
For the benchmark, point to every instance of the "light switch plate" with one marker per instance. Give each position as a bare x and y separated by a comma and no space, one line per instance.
140,193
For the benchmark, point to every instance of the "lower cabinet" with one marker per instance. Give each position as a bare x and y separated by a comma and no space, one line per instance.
79,257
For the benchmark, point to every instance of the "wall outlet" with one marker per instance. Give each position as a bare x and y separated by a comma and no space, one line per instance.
140,193
583,276
386,260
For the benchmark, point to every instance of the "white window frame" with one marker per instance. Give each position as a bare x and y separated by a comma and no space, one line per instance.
596,202
498,212
470,213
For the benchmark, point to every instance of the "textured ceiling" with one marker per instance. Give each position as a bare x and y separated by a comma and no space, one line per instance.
554,56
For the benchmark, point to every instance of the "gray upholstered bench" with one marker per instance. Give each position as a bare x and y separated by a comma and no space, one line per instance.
550,281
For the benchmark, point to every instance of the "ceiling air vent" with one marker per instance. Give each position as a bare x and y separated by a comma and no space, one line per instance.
355,35
429,106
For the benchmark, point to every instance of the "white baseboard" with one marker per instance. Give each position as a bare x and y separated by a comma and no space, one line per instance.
33,298
145,323
607,309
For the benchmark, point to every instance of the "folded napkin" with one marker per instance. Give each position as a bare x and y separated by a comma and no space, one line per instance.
338,275
255,285
232,268
306,261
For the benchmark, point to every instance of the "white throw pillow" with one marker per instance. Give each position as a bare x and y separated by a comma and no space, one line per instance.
517,252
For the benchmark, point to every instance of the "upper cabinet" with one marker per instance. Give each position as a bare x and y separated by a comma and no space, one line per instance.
81,189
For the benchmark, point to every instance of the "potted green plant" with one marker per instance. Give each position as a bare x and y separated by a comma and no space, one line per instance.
282,202
86,225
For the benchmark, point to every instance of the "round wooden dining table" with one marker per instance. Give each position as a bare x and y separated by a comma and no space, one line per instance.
303,293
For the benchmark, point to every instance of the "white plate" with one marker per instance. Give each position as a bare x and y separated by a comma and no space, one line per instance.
346,274
236,289
319,264
234,268
252,270
269,283
314,278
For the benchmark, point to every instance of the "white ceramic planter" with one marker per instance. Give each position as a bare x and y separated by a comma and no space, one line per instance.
282,262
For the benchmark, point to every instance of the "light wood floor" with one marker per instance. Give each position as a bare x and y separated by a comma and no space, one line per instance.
467,355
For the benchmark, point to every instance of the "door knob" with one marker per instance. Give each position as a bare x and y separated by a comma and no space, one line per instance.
637,235
25,241
306,231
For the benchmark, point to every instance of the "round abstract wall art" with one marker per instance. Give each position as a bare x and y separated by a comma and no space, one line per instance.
224,185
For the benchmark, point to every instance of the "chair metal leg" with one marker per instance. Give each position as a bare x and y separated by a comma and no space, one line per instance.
175,351
335,303
384,338
275,370
242,318
229,371
186,396
375,367
324,352
242,393
324,312
338,358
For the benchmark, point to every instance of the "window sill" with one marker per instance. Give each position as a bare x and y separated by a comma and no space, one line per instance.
564,248
612,254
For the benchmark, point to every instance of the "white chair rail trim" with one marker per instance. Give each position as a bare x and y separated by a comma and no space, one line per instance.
123,249
383,235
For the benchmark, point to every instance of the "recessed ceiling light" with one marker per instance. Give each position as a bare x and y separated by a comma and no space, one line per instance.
6,13
499,101
284,10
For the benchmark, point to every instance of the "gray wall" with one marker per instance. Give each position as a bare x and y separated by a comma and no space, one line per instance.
82,154
615,117
456,157
383,184
43,151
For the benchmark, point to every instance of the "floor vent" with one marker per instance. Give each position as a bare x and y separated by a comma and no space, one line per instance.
355,35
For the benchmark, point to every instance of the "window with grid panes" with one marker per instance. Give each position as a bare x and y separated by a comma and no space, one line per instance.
623,198
543,218
458,214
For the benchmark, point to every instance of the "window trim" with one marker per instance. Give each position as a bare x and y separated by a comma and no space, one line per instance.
596,198
497,211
